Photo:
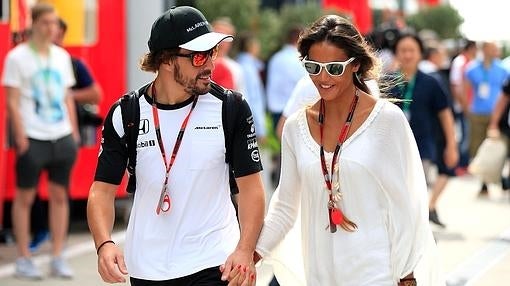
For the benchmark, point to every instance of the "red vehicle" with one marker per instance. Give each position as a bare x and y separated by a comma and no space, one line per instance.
97,35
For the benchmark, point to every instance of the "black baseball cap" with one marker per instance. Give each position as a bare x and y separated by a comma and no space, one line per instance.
184,27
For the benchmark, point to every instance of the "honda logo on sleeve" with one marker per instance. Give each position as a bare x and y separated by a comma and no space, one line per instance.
143,127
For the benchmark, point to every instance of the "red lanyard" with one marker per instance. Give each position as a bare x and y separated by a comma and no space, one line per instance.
164,199
336,216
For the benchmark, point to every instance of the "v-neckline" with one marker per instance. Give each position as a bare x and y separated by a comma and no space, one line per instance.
316,146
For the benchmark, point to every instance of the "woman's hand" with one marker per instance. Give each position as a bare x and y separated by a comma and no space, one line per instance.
239,269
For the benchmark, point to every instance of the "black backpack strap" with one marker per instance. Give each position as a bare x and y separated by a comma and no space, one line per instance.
130,110
230,107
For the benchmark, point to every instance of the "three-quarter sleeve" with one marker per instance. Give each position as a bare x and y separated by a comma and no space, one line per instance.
285,202
405,188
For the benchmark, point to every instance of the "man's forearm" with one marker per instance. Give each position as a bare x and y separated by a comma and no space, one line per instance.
498,110
17,125
448,123
90,95
251,211
71,109
459,96
14,115
101,211
463,90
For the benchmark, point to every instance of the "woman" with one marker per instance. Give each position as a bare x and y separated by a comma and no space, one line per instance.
363,221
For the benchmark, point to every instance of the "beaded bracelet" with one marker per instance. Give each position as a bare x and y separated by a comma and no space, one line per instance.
102,244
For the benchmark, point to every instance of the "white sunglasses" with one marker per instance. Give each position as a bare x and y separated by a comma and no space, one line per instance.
333,68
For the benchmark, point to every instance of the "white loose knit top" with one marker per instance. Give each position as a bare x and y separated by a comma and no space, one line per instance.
384,193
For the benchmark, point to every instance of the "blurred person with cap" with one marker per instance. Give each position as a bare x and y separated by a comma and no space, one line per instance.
181,230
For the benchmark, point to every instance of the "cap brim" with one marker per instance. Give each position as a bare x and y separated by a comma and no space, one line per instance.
206,41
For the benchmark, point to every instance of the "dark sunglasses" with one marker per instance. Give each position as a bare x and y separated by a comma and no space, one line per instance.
333,68
199,59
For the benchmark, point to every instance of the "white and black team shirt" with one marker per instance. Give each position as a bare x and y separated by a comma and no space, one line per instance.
201,228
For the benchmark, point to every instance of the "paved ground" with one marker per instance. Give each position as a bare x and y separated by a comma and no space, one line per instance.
475,246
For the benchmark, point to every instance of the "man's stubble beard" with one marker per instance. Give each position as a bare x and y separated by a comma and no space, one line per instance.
191,84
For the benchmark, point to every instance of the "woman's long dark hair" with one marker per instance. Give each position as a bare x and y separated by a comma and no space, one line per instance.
342,33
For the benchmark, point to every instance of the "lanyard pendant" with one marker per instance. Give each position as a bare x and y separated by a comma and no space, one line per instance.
332,225
164,203
337,217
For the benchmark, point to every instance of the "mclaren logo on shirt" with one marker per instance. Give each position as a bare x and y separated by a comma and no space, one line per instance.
143,128
208,127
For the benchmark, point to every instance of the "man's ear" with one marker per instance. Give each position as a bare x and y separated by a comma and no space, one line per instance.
168,65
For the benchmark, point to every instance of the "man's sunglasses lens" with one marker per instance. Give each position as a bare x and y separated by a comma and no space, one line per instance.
200,58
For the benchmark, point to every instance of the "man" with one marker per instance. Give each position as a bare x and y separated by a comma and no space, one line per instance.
460,95
37,77
434,59
485,77
283,73
249,49
284,70
227,73
86,90
181,230
506,63
499,124
86,94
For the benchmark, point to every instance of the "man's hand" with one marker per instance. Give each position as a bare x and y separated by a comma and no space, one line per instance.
451,156
239,269
77,137
111,264
493,132
22,145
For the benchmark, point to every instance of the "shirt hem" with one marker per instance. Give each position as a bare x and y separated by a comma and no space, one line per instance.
248,172
180,274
